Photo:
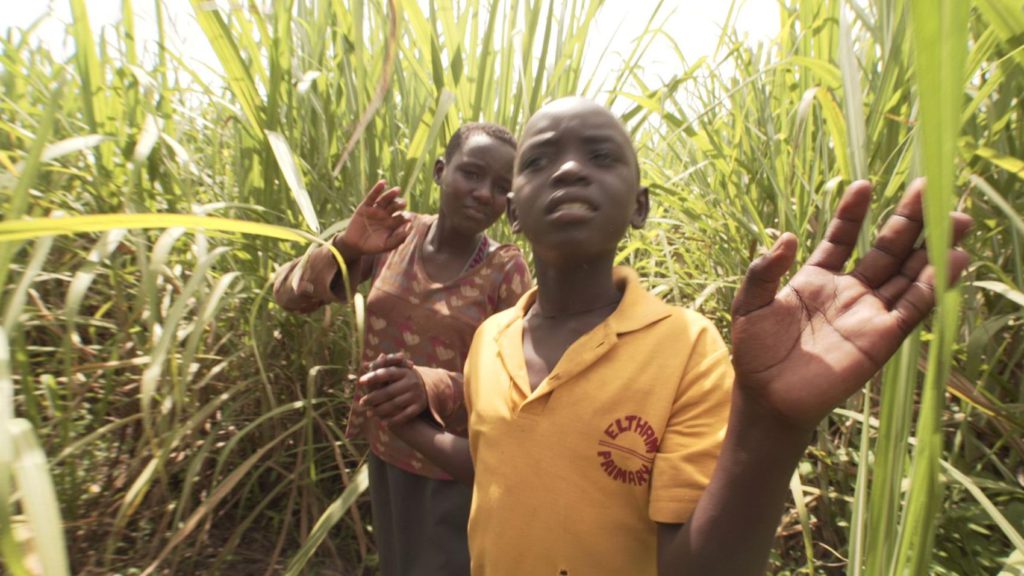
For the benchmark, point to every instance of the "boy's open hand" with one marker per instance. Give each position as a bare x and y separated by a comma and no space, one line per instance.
801,351
397,394
379,223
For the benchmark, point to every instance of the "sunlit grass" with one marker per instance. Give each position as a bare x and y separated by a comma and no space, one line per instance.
190,426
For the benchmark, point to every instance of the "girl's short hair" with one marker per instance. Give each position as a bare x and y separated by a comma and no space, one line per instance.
499,133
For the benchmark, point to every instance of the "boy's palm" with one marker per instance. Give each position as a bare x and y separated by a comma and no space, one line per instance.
800,352
379,223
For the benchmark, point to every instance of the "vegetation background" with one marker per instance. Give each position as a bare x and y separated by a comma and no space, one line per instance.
159,415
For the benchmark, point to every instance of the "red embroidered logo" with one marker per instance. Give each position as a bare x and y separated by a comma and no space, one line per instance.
627,450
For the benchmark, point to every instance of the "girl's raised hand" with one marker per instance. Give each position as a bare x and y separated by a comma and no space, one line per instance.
379,223
801,351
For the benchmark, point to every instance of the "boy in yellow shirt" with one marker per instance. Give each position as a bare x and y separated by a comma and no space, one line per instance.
610,433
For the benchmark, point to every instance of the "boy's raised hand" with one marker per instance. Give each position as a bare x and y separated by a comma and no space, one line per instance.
379,223
801,351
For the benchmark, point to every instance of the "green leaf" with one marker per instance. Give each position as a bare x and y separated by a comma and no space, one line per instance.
1002,289
292,175
11,230
331,516
235,68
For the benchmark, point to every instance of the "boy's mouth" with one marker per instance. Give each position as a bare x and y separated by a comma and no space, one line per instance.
569,204
573,208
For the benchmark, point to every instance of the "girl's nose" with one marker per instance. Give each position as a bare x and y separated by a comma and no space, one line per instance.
484,192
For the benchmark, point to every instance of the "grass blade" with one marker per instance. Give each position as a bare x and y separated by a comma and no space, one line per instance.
27,229
940,36
39,499
293,176
327,520
237,72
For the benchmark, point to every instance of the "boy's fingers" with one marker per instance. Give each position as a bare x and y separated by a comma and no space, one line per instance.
895,240
895,286
762,280
918,299
841,236
961,224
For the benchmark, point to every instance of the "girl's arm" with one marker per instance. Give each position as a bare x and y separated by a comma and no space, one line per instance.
396,395
378,225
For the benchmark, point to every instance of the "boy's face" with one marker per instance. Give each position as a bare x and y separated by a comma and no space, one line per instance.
475,182
576,185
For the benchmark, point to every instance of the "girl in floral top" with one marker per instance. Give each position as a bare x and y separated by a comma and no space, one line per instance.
435,278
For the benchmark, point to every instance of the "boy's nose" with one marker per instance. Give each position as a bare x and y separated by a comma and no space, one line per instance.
570,171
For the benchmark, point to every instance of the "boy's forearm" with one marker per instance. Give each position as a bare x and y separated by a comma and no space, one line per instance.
445,450
732,529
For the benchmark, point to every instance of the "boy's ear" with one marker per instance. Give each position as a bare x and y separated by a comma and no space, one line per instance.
643,208
438,170
512,213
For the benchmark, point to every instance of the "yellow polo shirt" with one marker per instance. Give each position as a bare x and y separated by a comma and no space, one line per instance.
624,432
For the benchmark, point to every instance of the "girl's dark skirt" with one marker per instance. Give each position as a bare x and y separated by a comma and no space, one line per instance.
419,523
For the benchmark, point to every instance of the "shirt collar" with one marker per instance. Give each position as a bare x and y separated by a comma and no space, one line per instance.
637,309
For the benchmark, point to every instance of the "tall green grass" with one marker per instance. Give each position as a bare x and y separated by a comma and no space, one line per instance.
190,426
760,139
188,429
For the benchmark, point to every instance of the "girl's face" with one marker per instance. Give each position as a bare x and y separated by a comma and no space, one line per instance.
475,182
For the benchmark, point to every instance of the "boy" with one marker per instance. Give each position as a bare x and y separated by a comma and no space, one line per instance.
598,413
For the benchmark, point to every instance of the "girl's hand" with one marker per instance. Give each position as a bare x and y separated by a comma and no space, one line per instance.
801,351
379,224
397,394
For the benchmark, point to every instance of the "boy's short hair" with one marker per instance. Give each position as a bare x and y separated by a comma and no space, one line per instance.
499,133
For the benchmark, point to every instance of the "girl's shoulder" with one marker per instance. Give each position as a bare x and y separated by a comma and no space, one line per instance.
499,252
421,222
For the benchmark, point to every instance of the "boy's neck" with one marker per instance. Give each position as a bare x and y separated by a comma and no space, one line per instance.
573,289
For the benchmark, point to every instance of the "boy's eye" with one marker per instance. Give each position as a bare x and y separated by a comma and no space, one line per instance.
531,162
470,175
602,157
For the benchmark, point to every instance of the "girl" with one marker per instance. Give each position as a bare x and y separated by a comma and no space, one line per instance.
435,278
